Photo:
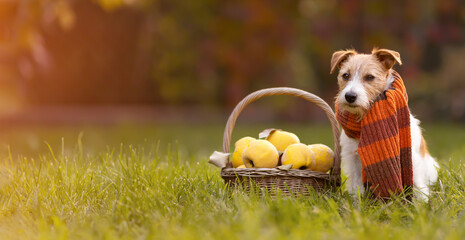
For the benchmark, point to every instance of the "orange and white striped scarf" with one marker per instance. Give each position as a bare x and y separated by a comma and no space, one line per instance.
385,142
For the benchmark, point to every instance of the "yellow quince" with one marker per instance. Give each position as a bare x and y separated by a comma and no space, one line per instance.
324,157
299,155
282,139
260,154
239,147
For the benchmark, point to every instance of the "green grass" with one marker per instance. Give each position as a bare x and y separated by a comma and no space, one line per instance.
138,182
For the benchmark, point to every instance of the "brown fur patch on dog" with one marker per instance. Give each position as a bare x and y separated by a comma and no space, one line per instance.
423,147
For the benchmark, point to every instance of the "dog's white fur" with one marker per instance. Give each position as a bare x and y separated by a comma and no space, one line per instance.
424,165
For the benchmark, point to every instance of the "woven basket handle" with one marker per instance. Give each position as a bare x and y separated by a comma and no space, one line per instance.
292,92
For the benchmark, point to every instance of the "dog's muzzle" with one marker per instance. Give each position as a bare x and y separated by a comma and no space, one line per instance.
351,97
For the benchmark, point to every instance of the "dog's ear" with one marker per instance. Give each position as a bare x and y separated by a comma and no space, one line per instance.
387,57
339,57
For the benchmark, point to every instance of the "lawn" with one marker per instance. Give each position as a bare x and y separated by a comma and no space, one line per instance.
154,182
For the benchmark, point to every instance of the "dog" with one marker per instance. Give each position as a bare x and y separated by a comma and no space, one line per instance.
361,79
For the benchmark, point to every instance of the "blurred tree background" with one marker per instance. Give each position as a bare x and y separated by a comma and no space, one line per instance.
212,53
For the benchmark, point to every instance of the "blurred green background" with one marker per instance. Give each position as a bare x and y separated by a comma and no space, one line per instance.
170,63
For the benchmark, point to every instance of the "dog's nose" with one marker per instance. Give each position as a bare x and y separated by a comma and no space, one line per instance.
351,97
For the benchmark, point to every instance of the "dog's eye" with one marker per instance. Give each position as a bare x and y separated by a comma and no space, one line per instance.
345,76
369,77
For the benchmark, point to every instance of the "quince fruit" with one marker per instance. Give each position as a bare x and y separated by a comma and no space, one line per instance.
260,154
324,157
299,155
282,139
239,147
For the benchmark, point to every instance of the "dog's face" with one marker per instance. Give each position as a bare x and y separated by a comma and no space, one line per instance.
362,77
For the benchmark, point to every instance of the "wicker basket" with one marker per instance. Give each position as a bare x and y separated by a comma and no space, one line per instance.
271,180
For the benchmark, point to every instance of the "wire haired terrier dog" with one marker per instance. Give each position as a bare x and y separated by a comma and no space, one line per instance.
382,147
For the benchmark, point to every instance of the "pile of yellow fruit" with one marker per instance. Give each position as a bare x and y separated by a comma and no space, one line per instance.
281,148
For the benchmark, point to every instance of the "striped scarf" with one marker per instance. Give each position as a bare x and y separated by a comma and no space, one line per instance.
385,142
